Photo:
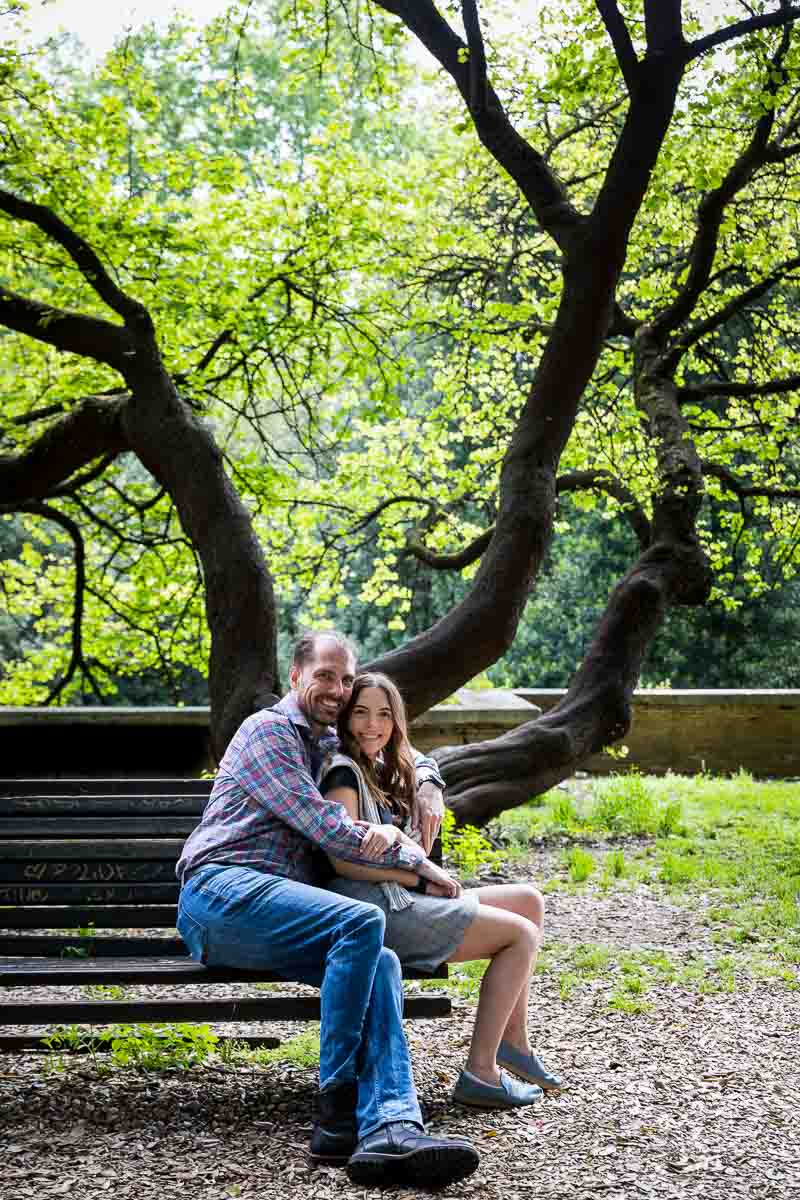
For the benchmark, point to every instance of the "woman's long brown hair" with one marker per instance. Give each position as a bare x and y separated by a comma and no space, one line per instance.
394,780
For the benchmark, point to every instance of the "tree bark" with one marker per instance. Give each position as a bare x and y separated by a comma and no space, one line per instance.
182,455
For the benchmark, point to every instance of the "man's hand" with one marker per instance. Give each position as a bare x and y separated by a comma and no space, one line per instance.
428,813
378,838
441,884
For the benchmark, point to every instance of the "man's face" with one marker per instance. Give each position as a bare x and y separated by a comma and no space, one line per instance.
323,685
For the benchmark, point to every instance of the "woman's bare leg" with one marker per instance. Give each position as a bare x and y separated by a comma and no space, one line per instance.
510,941
528,902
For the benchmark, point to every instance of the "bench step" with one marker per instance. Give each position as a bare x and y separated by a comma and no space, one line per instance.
161,786
121,916
266,1008
63,972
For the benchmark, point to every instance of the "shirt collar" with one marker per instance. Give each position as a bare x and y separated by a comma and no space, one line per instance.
291,709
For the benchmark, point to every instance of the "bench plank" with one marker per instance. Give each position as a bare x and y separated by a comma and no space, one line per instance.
266,1008
88,893
122,916
109,826
96,871
65,946
89,806
106,787
64,849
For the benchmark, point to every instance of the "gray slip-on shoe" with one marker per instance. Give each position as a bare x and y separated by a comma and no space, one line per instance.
510,1093
528,1067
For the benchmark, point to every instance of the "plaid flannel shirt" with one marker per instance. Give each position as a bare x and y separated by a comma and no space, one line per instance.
265,810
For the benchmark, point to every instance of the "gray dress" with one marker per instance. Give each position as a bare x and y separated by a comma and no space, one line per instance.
426,932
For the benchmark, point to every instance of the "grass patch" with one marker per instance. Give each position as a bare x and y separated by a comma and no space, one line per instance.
622,979
735,841
580,864
302,1050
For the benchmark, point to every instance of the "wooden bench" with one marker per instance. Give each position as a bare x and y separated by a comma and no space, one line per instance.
83,858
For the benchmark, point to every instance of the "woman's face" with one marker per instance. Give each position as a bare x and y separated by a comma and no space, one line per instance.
370,721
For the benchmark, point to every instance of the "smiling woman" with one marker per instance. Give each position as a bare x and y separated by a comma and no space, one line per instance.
426,926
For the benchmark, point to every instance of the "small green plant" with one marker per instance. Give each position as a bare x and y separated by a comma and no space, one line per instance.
567,984
74,952
580,864
677,869
623,804
464,980
105,991
563,813
466,848
670,819
590,959
71,1038
232,1052
160,1047
302,1050
632,1005
614,867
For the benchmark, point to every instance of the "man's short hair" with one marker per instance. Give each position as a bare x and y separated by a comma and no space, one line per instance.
306,645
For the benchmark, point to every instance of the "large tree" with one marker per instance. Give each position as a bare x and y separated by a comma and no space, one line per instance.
644,303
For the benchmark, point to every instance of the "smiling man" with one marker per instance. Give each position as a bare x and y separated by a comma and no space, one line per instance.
248,900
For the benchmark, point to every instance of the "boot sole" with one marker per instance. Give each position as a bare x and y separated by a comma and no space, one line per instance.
328,1160
431,1166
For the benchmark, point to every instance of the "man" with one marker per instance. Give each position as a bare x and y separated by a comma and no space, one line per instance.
248,900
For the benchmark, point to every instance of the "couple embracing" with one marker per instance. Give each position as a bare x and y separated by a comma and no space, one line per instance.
311,861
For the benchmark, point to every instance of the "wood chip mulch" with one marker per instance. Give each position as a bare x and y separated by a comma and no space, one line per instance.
698,1099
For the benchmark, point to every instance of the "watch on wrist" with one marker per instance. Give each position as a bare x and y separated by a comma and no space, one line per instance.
421,886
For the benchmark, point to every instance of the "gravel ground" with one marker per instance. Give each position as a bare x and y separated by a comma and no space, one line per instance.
695,1099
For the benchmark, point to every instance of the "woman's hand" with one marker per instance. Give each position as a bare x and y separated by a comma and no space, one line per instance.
439,879
378,839
433,889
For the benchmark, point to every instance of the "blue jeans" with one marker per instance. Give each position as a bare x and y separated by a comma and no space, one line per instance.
237,917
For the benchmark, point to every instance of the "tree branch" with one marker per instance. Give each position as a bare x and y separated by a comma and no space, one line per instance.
773,387
746,490
739,29
71,332
663,26
76,657
526,166
711,210
477,56
455,561
621,41
604,481
737,304
81,253
92,430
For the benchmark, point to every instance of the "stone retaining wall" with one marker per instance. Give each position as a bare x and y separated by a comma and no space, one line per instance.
682,731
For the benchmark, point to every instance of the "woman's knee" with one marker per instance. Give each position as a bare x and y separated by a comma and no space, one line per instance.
532,904
528,934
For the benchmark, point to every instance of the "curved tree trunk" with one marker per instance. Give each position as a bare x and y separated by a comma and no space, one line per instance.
475,633
485,778
182,455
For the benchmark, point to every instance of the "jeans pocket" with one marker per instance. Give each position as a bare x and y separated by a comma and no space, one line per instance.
194,935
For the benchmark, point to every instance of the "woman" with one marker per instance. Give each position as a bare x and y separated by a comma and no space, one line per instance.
374,780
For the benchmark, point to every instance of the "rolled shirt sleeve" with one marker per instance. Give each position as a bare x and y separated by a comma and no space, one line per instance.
427,770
